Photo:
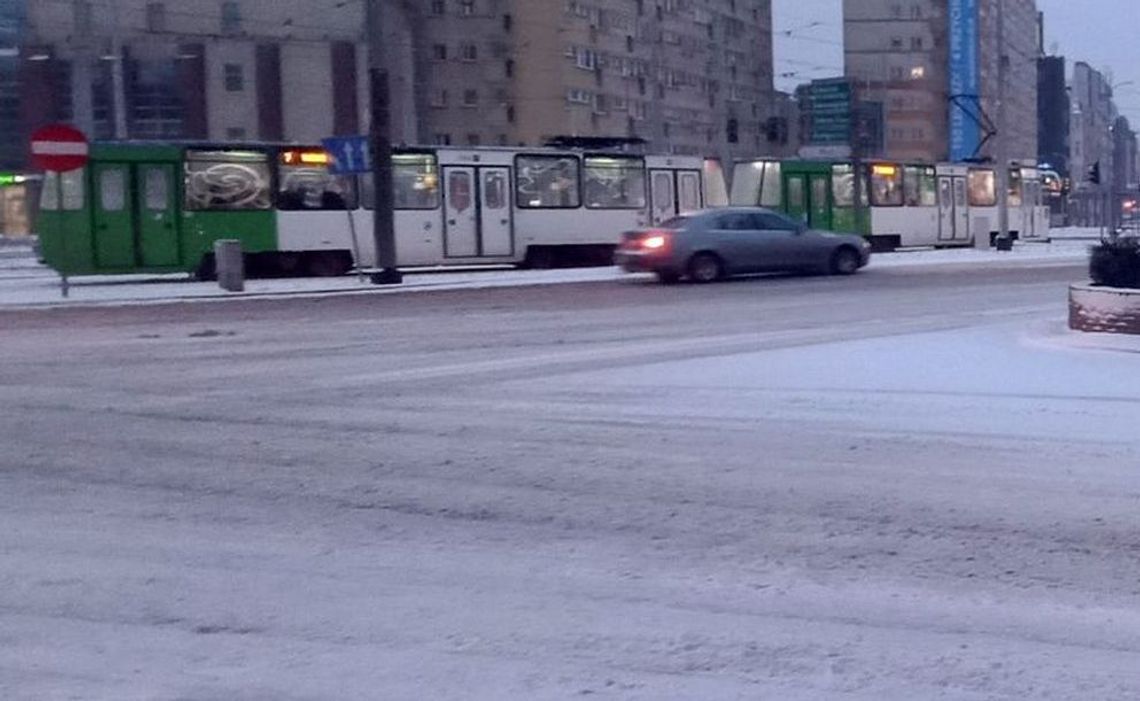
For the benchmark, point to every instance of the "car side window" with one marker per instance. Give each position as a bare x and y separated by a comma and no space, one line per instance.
733,221
771,222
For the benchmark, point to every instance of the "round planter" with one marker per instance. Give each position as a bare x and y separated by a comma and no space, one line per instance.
1104,309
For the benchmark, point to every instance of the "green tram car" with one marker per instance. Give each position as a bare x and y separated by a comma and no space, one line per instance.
159,208
904,205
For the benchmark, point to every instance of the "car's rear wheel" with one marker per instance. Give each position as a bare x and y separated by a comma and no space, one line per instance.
845,261
705,268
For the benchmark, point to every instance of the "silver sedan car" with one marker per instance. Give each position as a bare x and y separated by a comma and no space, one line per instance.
715,243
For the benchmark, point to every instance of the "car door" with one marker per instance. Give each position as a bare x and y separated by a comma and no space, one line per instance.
777,242
730,238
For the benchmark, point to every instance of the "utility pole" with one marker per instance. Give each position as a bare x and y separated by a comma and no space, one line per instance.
380,139
1002,146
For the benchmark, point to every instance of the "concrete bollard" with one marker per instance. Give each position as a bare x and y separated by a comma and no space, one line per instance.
230,265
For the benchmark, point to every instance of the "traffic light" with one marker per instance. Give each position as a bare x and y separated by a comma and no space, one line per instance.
1094,173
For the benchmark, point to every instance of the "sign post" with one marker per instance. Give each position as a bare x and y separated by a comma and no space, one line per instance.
349,155
59,148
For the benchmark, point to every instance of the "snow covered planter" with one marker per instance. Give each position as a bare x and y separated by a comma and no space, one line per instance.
1111,304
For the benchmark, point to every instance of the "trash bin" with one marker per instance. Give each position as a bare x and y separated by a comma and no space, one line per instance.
230,265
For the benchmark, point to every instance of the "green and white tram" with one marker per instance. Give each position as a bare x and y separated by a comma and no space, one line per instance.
141,207
906,205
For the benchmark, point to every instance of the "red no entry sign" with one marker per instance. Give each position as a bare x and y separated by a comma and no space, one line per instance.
59,148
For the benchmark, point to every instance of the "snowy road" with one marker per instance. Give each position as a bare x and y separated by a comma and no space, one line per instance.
905,485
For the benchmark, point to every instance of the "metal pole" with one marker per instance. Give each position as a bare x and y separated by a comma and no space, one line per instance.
857,155
1002,147
383,231
118,83
64,285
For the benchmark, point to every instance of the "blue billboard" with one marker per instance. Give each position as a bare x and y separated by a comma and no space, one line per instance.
965,132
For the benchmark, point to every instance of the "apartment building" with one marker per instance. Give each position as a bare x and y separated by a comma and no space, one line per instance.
688,76
933,64
195,68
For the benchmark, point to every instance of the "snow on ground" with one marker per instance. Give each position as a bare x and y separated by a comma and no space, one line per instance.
23,282
907,514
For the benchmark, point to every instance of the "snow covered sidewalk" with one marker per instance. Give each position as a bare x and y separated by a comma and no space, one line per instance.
25,283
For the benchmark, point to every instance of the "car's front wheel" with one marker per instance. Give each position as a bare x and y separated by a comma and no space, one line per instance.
845,261
705,267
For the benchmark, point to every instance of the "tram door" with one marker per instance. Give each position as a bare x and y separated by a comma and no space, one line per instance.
673,192
134,222
819,214
953,215
477,211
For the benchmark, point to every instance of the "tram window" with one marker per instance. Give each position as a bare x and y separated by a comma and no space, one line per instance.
886,186
227,180
663,192
614,182
494,190
49,196
1015,185
770,190
112,190
796,199
415,182
305,183
73,186
982,191
689,192
157,189
843,186
549,182
919,187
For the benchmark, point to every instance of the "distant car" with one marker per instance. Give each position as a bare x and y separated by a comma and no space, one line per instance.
715,243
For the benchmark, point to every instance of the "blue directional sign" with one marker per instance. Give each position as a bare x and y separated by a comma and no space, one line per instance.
350,154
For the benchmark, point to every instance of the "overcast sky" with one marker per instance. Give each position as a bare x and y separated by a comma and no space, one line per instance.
1103,33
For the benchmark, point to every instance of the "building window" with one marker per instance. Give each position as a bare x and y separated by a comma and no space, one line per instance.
234,77
439,98
896,43
235,133
82,16
472,139
437,8
467,7
511,114
439,52
470,98
156,108
508,24
509,68
916,43
586,58
443,139
231,17
156,17
469,52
